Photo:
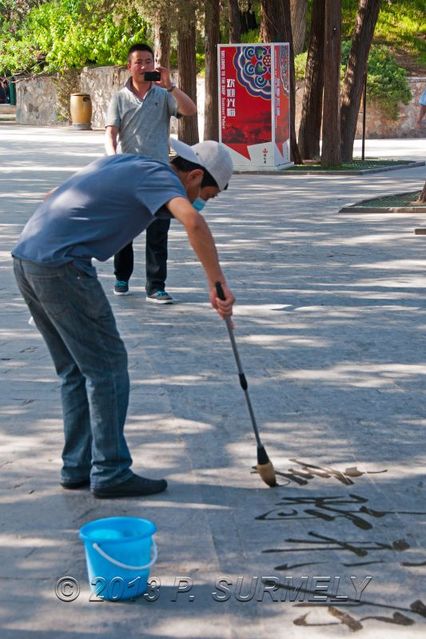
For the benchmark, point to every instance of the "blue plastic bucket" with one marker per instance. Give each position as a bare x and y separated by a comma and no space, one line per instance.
119,553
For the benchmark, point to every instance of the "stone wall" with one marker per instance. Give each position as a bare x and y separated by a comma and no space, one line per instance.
101,83
377,124
40,102
36,101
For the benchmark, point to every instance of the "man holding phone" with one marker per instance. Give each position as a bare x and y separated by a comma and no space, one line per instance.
138,120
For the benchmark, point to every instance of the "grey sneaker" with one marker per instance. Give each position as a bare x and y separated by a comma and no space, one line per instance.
121,287
160,297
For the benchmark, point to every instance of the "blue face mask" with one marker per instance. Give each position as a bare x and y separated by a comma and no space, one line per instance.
199,204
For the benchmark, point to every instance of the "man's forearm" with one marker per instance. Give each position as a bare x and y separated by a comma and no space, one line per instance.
185,105
110,142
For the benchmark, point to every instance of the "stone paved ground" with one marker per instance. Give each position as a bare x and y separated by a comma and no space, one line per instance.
331,328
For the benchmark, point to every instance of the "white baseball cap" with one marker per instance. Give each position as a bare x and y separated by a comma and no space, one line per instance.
211,155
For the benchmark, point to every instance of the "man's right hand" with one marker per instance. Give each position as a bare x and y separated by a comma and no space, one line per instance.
223,307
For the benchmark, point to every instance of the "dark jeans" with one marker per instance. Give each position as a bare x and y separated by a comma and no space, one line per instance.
73,315
155,258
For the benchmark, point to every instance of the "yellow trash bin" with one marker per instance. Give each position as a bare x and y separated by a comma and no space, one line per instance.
81,111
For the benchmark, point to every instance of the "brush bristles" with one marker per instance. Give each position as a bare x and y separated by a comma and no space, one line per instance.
267,473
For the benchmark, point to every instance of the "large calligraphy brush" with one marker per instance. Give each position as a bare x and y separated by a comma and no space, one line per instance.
264,465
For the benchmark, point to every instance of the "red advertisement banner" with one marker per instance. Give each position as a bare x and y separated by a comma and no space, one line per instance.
253,102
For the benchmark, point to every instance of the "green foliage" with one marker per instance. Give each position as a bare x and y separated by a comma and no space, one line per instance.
300,65
401,25
13,11
386,80
251,36
64,34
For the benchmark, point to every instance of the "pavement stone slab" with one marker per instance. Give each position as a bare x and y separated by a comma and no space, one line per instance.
330,325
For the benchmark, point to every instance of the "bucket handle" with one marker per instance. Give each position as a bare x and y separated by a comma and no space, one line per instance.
125,566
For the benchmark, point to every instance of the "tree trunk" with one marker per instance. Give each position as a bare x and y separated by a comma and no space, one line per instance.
353,83
276,27
235,21
161,39
186,36
212,37
422,198
310,122
270,22
298,24
331,153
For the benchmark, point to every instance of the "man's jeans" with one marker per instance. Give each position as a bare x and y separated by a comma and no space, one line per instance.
73,315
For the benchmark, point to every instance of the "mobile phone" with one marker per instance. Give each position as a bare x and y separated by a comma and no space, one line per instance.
153,76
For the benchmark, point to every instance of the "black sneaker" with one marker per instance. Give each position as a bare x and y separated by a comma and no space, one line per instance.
75,485
135,486
121,287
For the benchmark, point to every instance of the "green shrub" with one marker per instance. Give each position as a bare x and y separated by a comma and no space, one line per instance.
66,34
387,82
250,37
401,24
300,65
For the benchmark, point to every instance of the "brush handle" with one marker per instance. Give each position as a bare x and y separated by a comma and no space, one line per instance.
242,377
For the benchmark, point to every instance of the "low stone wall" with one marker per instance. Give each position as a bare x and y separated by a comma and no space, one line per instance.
40,98
36,101
377,124
40,101
101,83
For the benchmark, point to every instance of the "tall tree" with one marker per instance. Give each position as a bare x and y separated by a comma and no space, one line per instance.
298,24
212,38
276,27
331,152
162,37
235,21
310,121
186,36
353,83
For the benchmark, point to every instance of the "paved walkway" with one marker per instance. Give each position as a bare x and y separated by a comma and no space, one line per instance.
331,328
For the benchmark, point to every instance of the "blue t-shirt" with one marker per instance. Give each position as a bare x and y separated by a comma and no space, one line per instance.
98,211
